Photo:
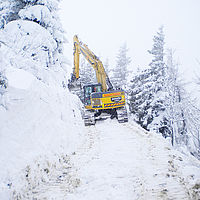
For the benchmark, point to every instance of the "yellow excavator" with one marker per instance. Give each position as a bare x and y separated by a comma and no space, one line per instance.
98,98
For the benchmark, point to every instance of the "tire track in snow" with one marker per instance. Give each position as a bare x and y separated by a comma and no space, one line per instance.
117,162
106,180
168,183
127,164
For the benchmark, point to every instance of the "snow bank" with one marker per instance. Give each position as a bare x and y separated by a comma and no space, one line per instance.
19,78
39,122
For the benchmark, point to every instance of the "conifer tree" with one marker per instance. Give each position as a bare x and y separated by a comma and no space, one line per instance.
146,94
120,72
174,122
3,81
9,10
87,73
45,13
107,67
42,12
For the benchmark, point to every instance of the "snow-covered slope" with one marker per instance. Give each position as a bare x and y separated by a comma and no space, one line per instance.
38,122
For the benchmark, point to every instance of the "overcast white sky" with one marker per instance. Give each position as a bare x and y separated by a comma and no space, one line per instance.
104,25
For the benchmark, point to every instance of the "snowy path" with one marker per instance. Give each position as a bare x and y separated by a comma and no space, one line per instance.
119,161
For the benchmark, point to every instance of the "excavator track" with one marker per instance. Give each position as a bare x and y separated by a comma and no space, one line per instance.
122,115
88,118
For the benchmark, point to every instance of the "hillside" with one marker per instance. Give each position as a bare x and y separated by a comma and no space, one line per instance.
39,124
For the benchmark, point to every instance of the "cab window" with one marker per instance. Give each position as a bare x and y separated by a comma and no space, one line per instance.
98,88
88,91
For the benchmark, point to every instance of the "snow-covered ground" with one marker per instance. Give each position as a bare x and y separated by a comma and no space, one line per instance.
121,161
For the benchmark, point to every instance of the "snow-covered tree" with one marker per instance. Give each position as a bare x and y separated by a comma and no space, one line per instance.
146,95
157,65
139,96
3,87
192,118
107,66
120,72
3,81
9,10
42,12
197,74
45,13
183,116
156,82
174,122
87,73
32,37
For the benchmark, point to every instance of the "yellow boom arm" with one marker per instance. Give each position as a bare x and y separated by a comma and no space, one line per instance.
80,48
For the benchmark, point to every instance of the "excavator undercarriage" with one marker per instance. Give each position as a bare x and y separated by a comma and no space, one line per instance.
90,117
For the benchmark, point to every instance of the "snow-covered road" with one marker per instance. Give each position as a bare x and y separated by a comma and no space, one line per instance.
122,161
117,162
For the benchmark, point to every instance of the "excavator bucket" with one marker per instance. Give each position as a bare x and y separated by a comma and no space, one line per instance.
74,84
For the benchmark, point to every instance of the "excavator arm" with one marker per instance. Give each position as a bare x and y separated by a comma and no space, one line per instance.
80,48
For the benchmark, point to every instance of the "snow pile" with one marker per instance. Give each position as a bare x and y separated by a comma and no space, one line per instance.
19,78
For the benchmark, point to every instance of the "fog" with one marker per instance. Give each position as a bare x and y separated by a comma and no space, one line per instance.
104,25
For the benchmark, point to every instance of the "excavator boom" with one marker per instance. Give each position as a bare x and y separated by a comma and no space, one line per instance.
81,48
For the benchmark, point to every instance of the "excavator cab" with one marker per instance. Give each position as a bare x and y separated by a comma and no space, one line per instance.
88,90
